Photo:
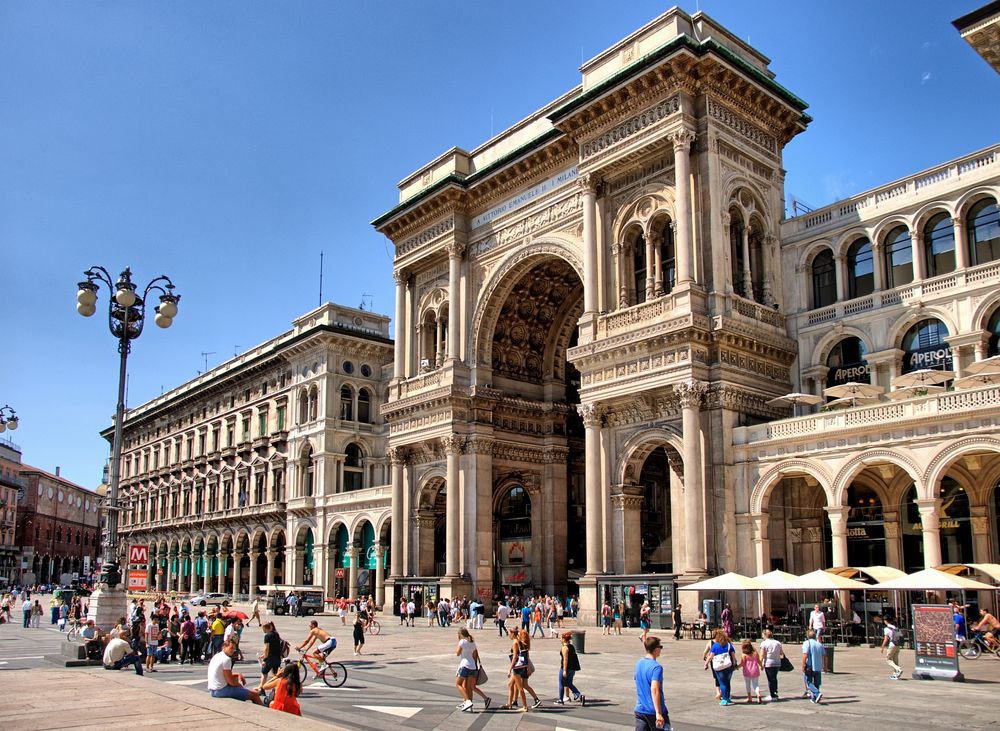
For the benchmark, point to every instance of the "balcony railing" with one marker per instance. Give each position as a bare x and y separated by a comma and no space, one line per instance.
885,413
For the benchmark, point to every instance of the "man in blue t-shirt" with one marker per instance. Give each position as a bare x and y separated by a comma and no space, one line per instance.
812,665
526,618
650,705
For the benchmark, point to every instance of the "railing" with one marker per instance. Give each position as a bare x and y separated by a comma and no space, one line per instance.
890,195
989,272
758,312
865,417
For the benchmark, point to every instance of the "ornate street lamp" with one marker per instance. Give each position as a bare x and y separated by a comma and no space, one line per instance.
126,317
8,418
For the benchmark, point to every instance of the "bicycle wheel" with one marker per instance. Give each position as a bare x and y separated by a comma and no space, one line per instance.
374,627
969,649
334,674
303,670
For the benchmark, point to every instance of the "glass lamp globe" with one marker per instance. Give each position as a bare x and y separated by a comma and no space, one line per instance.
86,297
125,297
163,321
167,308
86,310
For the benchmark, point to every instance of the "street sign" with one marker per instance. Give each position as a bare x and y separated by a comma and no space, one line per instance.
137,581
138,554
339,574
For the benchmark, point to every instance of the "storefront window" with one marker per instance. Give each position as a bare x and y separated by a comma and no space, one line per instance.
955,523
847,363
925,345
865,527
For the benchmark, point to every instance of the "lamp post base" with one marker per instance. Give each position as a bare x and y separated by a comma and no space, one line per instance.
107,606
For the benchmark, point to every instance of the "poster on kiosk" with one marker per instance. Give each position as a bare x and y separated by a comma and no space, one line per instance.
935,650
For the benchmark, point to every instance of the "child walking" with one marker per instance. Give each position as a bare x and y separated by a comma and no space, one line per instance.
750,662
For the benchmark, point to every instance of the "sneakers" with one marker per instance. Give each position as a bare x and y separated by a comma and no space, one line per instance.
818,697
559,701
486,703
583,699
537,703
724,702
897,675
466,706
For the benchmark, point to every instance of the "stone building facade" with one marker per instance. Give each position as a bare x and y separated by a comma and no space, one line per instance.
589,304
11,486
269,468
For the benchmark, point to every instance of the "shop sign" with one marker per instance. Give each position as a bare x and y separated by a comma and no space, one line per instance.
847,373
935,356
137,580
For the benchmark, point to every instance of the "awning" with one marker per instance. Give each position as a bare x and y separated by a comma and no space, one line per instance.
931,580
989,569
821,580
778,580
726,582
878,573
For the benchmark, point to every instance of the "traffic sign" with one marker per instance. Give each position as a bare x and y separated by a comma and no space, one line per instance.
137,581
138,554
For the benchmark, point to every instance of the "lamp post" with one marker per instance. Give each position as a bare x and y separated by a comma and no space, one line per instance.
8,418
126,317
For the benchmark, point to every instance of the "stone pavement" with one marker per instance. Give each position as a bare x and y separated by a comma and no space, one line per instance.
406,679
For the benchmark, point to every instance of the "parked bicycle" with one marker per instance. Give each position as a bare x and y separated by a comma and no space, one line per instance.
333,673
972,647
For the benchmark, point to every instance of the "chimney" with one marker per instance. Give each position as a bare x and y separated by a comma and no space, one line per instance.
57,470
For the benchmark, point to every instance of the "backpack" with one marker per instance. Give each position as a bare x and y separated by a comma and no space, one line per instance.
895,635
572,660
285,648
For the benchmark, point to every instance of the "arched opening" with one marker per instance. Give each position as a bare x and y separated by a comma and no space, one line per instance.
995,507
860,269
346,403
955,523
306,562
939,245
983,226
353,468
278,565
339,543
640,266
758,257
656,519
261,564
364,406
668,257
898,253
227,565
737,259
824,279
846,362
513,540
925,345
865,527
430,537
993,326
303,408
366,559
798,526
911,531
306,470
313,403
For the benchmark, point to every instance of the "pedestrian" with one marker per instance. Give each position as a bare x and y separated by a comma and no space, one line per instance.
26,608
645,615
675,617
890,647
650,704
771,653
54,609
568,667
618,614
812,665
722,658
119,653
270,657
287,686
606,618
293,604
255,611
503,612
223,682
468,672
817,622
218,630
525,617
727,620
188,651
36,614
152,639
750,664
518,672
402,613
360,624
411,612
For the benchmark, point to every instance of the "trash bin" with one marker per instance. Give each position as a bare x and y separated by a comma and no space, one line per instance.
579,641
828,658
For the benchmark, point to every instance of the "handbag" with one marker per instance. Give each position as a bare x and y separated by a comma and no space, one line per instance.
722,662
786,665
531,668
481,676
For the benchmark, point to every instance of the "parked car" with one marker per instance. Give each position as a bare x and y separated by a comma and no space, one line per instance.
213,597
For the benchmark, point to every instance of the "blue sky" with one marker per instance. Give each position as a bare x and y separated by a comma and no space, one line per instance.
227,143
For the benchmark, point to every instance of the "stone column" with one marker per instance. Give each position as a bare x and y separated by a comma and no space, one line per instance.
592,419
455,250
412,330
379,576
961,245
453,450
436,354
270,555
919,260
252,588
650,267
150,574
220,577
655,240
683,244
238,572
840,272
930,522
838,531
424,521
352,554
618,251
402,335
588,188
747,274
627,503
878,264
396,458
690,395
760,523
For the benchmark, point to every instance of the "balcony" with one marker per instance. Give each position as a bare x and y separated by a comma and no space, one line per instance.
229,451
262,442
946,406
279,437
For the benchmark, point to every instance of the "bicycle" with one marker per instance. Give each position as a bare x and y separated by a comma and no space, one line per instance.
373,627
333,673
73,630
972,647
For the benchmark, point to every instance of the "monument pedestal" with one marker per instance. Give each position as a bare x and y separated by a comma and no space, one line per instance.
107,606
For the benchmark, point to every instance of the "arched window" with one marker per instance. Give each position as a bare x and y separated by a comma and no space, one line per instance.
925,345
313,403
994,330
860,269
346,403
364,406
306,465
824,279
668,258
898,253
847,363
865,527
514,516
983,226
736,260
353,468
956,523
639,268
939,245
303,406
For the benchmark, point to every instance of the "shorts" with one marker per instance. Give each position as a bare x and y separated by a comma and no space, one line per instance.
466,672
232,691
270,666
521,672
643,624
327,647
607,621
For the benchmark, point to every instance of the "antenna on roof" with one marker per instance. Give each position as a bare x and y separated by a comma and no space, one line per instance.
366,303
205,354
321,279
236,350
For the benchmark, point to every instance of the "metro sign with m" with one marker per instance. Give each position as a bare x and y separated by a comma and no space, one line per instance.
138,554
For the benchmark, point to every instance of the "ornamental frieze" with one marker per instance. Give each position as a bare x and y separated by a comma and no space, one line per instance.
428,234
527,226
630,127
743,127
757,366
646,364
517,453
736,161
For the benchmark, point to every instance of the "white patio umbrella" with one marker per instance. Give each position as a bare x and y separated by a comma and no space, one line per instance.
778,580
986,365
979,380
932,580
922,377
853,389
821,580
913,392
725,582
848,402
795,398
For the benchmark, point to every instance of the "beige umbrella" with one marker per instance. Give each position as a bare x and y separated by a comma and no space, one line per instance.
846,403
726,582
913,392
821,580
978,381
986,365
931,580
853,389
778,580
795,398
922,377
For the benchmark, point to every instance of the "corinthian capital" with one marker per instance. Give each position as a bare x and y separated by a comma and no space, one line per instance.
396,455
682,139
455,249
453,444
589,183
690,393
590,414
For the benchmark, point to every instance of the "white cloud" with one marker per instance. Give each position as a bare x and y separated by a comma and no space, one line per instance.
925,77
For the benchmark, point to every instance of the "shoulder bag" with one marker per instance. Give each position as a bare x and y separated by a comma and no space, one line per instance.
481,676
723,661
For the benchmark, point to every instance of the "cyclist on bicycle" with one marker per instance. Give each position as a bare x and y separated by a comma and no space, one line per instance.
317,634
988,627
